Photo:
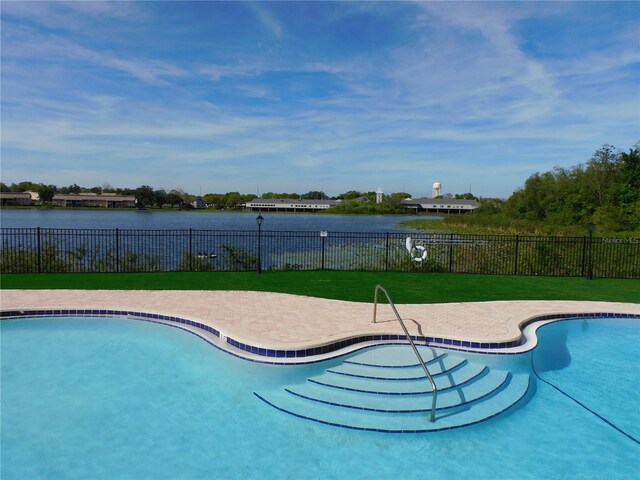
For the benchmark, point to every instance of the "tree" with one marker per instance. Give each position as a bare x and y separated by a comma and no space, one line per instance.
466,196
46,192
159,198
400,195
27,187
214,200
599,176
75,188
490,206
174,199
606,190
186,198
314,195
233,199
144,195
629,190
350,195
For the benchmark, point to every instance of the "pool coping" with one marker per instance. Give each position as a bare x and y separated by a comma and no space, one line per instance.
328,346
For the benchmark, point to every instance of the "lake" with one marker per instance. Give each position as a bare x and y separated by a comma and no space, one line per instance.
163,220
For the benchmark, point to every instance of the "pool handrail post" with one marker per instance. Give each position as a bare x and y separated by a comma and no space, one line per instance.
434,389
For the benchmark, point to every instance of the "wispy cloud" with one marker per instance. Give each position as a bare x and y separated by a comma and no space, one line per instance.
266,18
353,96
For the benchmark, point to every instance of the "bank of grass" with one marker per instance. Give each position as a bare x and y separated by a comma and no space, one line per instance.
479,224
354,286
492,225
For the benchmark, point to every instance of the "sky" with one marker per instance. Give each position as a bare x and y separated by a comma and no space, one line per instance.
299,96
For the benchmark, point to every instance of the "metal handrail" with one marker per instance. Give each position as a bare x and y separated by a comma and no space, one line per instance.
434,389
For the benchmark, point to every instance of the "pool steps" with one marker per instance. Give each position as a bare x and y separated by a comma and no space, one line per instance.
376,389
444,381
414,372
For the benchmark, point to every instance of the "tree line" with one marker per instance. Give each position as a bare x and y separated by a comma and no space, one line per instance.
604,191
146,196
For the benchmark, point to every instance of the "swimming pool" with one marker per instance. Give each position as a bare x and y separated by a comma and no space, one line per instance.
115,398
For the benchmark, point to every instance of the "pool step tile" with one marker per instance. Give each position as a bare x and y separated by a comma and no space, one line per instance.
393,356
500,401
447,399
460,375
444,363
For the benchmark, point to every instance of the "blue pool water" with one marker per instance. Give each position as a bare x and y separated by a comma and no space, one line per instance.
115,399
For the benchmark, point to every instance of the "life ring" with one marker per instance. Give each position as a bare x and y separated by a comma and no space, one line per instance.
418,253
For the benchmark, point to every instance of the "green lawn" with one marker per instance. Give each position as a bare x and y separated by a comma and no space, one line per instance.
355,286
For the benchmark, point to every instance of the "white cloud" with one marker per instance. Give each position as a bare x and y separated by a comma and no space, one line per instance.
265,17
458,98
70,15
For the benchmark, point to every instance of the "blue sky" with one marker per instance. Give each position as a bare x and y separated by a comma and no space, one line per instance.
299,96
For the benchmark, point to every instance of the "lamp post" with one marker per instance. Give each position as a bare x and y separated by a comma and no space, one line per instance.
592,227
259,220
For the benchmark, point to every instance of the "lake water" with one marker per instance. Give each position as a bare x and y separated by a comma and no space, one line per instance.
163,220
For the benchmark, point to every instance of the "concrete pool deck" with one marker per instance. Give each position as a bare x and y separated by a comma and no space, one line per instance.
283,321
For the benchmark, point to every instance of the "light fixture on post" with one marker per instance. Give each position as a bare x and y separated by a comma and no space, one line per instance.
259,220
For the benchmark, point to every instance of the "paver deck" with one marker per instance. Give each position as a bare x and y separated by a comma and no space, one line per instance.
275,320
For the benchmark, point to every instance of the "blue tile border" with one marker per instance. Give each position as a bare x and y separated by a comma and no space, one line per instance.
444,343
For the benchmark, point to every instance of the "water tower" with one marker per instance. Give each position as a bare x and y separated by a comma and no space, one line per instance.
437,190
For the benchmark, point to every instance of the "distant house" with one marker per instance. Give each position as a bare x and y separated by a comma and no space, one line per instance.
440,205
198,203
15,199
106,200
289,205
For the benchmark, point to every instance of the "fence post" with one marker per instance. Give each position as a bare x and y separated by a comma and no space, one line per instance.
191,250
39,251
584,255
515,264
322,261
386,253
117,250
451,252
591,228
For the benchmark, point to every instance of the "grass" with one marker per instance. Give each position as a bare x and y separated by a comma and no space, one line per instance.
471,224
478,224
354,286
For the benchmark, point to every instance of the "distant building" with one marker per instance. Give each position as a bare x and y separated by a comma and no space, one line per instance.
440,205
15,199
106,200
289,205
198,203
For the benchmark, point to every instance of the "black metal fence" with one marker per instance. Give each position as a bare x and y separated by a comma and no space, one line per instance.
40,250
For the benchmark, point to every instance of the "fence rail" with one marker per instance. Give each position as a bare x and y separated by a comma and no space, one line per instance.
40,250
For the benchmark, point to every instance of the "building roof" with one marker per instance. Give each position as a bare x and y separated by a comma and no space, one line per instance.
291,201
440,201
93,196
15,195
